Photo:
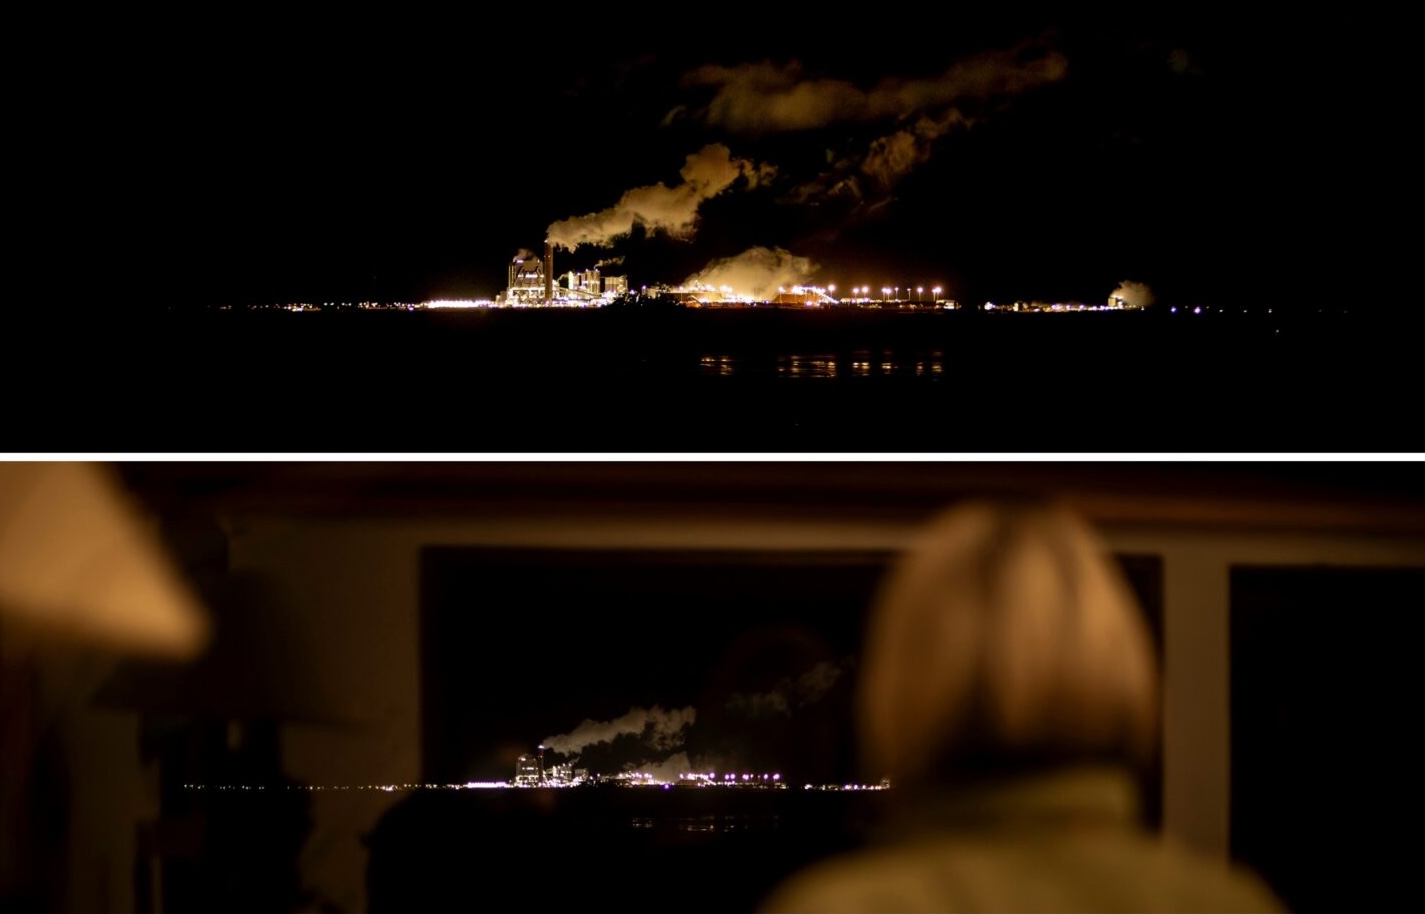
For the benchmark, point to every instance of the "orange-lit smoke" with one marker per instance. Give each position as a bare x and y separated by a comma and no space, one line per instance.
657,207
892,157
757,272
659,730
1135,294
765,97
789,694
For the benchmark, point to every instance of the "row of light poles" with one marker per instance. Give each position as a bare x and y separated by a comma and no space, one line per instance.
893,293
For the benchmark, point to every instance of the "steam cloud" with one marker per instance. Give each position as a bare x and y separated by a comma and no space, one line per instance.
765,97
758,272
885,161
892,157
768,98
657,207
1136,294
660,730
788,694
669,769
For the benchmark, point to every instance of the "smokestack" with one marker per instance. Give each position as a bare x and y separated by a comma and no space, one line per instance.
548,271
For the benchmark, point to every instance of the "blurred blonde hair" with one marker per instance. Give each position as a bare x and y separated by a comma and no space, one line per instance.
1005,633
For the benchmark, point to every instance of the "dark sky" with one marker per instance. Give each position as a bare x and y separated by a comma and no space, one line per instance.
701,659
257,154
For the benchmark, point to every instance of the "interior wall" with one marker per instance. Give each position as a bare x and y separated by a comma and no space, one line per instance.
1196,724
355,585
76,787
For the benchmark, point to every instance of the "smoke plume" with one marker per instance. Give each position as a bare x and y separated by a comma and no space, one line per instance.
789,694
657,729
758,272
669,769
657,207
892,157
1136,294
764,97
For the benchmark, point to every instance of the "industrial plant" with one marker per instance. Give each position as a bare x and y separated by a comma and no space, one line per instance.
530,771
532,284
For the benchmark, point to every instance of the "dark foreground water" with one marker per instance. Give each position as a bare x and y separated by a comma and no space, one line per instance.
596,849
733,381
588,849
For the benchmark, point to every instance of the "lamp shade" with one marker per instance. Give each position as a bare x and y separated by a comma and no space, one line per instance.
79,563
263,664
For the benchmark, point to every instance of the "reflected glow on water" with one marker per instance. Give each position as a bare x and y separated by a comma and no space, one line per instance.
720,365
710,824
859,363
806,366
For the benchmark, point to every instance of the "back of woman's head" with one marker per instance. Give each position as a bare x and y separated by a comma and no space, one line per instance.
1004,635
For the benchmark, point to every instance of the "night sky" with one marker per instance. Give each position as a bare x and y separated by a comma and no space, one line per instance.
260,155
664,662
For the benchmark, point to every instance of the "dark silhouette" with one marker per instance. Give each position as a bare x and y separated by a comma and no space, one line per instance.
1008,692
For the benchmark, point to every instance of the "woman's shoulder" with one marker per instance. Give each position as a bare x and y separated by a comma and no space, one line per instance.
927,873
1104,872
865,880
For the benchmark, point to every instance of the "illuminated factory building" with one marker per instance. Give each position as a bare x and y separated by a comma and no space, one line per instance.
527,287
802,295
529,770
532,285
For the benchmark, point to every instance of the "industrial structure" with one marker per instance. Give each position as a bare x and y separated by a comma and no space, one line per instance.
532,284
530,772
529,283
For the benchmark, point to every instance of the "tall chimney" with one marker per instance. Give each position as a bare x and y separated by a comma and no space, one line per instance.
548,272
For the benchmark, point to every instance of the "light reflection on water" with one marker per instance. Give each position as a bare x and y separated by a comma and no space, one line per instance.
806,366
720,365
716,824
855,364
